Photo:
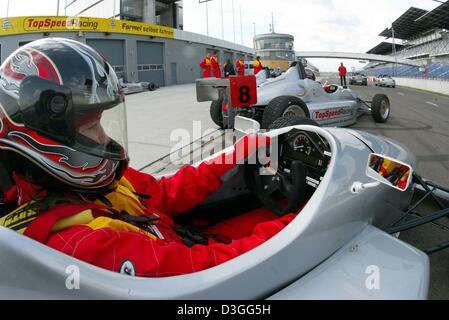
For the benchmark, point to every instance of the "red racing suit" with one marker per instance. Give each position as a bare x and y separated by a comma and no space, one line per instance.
215,66
241,67
89,234
257,66
207,67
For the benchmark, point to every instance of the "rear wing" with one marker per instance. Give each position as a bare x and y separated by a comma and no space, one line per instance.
234,92
211,89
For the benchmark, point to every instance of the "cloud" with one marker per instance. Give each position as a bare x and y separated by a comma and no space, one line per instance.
317,25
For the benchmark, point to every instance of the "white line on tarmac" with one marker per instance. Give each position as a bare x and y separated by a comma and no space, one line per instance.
401,94
432,104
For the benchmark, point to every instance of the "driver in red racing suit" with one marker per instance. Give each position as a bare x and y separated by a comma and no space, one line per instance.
73,190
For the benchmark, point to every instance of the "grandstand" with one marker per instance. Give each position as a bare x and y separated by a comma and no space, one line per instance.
419,35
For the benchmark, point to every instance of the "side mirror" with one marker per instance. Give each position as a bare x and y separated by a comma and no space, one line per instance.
389,171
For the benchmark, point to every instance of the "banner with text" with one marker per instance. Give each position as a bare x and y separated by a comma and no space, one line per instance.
19,25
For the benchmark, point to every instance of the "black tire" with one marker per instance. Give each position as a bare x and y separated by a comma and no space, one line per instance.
378,111
151,87
290,121
216,112
278,107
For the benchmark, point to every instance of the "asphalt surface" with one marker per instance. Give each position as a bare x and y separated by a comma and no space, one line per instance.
157,119
419,120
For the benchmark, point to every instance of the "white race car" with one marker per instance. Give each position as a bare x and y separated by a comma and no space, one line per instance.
136,87
292,94
350,189
385,81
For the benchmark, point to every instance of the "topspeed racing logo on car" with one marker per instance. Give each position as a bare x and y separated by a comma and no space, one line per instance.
331,113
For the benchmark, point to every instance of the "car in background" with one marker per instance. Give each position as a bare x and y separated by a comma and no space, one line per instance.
136,87
358,78
292,94
385,81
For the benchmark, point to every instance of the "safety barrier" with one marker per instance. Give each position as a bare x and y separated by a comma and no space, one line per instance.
437,86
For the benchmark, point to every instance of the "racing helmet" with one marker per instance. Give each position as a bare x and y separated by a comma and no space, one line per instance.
62,109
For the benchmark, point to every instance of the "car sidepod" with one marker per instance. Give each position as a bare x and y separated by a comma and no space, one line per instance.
372,266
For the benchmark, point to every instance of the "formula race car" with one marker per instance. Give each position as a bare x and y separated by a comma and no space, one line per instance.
136,87
350,189
292,93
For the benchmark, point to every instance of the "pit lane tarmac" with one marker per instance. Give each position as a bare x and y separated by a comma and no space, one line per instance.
419,120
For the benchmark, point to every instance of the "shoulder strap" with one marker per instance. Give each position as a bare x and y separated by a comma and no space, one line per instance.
39,229
5,178
19,218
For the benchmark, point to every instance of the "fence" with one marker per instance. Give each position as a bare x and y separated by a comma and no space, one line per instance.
433,71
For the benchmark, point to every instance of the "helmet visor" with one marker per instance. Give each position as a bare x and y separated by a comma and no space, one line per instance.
93,125
102,132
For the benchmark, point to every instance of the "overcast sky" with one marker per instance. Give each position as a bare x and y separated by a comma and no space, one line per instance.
319,25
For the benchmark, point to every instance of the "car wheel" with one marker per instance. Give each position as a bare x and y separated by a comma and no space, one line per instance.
290,121
284,106
216,112
380,108
151,87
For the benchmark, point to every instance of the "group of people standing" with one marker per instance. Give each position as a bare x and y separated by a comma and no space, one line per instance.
211,66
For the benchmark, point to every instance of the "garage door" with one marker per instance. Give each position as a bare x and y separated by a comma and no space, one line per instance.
150,62
228,55
211,51
113,50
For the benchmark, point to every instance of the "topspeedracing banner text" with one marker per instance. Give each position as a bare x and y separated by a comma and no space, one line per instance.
20,25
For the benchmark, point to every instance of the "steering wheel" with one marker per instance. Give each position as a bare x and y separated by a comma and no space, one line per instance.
290,185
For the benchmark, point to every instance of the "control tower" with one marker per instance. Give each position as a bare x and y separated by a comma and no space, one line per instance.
161,12
275,49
